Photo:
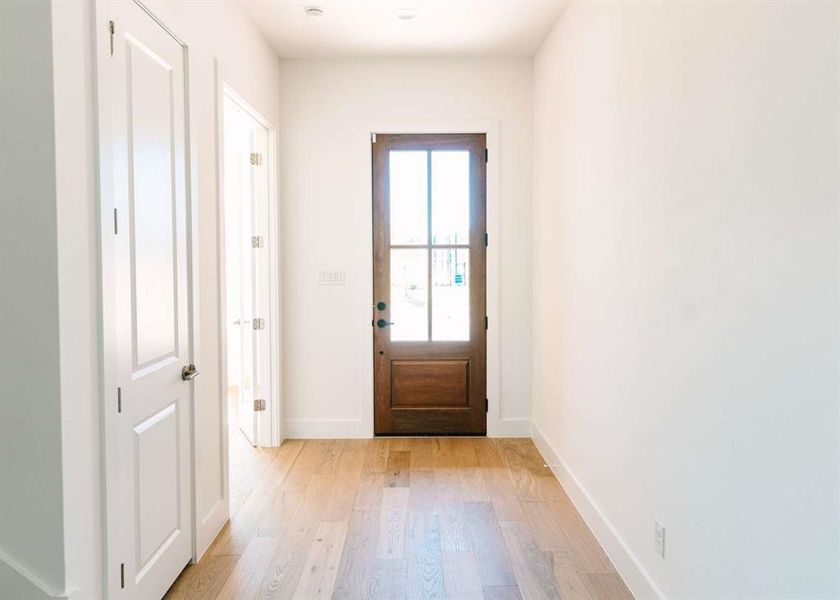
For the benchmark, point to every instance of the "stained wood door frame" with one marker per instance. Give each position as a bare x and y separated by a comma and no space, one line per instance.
163,14
493,258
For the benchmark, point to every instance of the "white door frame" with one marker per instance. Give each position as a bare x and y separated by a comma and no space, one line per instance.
109,448
269,431
491,130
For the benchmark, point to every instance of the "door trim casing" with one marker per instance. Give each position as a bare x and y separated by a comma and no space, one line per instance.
493,258
163,14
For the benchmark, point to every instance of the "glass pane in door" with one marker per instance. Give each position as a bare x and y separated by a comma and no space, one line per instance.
408,194
409,295
450,197
450,294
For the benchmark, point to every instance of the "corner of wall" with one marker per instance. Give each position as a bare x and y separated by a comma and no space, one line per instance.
625,562
16,582
32,559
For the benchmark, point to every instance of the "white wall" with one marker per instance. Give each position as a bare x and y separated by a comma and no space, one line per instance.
78,293
50,496
686,311
218,33
31,519
326,215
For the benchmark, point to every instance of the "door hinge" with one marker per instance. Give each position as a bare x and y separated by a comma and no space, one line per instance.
486,323
119,400
256,158
257,241
116,223
486,239
259,405
486,405
122,576
259,323
372,138
486,155
111,29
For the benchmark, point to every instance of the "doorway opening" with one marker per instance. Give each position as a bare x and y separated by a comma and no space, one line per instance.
248,292
429,281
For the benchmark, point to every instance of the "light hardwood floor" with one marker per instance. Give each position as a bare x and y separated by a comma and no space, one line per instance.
457,518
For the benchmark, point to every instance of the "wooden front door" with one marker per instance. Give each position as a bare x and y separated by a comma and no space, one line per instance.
429,274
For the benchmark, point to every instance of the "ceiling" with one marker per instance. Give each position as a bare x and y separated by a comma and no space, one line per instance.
371,28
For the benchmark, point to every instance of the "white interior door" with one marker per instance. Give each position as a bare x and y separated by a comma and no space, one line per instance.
260,286
246,201
239,200
150,187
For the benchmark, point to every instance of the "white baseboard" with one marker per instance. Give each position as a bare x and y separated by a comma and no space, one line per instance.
17,582
210,526
324,428
514,428
626,563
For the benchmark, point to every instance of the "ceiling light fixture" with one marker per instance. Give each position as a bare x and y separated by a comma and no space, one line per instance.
313,11
405,14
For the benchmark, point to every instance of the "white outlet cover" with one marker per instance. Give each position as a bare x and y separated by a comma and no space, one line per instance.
659,537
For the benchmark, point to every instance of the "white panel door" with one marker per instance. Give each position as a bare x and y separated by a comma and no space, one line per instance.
260,277
239,201
150,159
247,267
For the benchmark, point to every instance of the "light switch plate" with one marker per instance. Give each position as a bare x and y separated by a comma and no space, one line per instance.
331,277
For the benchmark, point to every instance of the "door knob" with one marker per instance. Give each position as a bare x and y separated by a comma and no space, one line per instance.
189,372
383,323
381,305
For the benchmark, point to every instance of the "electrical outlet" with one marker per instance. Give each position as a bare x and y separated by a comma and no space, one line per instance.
659,538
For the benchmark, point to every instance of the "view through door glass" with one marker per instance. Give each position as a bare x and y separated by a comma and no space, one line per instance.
429,283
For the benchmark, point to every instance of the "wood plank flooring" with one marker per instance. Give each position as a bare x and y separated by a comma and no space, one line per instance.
457,518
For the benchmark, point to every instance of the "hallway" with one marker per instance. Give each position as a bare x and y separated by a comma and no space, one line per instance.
585,252
404,517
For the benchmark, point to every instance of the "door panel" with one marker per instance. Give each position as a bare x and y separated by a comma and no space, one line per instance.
423,383
237,194
247,265
429,284
260,281
156,443
150,195
151,204
238,215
